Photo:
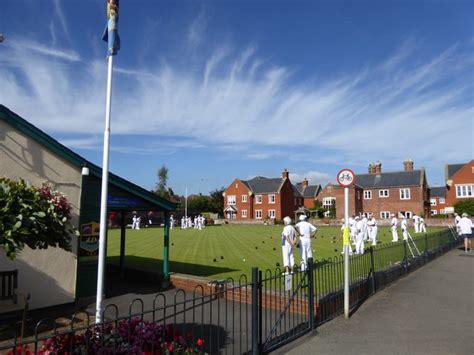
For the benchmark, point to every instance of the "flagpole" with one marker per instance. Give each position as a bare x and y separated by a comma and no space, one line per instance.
103,199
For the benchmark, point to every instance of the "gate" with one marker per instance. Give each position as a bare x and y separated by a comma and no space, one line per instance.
285,307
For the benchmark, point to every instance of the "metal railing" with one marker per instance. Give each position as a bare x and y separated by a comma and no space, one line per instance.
236,317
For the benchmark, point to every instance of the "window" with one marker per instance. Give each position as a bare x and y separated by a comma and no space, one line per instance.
244,213
464,190
258,214
383,193
231,200
328,202
271,198
271,213
367,195
433,201
258,199
407,214
244,198
385,214
434,212
404,194
442,201
443,211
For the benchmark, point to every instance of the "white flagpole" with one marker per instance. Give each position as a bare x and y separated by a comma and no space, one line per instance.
103,199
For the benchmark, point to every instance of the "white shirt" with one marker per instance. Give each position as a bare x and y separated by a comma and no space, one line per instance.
289,233
466,225
359,226
372,222
306,229
394,221
403,224
416,219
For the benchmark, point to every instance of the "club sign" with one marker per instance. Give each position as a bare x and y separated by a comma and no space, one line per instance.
346,178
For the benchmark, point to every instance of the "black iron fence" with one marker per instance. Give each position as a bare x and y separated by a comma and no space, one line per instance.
236,317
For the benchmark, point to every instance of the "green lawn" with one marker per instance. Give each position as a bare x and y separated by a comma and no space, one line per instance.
218,252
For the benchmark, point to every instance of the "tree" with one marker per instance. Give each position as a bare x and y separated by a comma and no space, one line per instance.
464,206
217,200
318,208
35,217
160,188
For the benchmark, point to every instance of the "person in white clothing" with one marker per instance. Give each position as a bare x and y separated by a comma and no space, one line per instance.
134,221
465,224
359,236
288,242
364,228
416,223
422,225
457,218
372,226
404,227
306,231
139,220
352,229
171,222
203,221
393,227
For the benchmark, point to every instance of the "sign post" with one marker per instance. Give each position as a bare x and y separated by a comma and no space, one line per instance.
346,178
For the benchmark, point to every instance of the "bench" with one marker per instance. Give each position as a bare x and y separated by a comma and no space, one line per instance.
8,285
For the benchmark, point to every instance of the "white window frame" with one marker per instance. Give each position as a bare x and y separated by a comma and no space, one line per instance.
442,211
368,195
383,195
432,201
272,199
231,200
464,190
385,214
244,198
258,199
407,214
244,213
405,193
331,200
258,214
272,214
434,212
442,200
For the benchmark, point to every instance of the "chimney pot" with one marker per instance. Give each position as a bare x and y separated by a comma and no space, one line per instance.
305,182
285,174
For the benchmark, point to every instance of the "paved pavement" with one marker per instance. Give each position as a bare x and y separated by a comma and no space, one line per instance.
428,312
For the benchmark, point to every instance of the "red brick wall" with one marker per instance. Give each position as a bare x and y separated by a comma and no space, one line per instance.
465,175
238,189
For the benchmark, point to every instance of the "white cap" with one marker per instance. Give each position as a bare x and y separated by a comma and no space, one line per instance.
393,215
302,217
287,220
464,214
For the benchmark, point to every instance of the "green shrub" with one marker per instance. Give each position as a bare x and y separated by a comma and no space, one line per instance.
465,206
36,217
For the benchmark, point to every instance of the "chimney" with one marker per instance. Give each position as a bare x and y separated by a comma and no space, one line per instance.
371,169
408,165
305,183
377,168
285,174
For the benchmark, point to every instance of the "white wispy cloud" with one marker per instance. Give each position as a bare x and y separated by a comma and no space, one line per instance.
313,177
402,107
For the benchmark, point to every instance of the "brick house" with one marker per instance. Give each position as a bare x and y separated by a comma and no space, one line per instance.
459,183
382,193
438,200
308,192
261,198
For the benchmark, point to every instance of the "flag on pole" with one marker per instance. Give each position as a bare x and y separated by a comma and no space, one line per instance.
111,30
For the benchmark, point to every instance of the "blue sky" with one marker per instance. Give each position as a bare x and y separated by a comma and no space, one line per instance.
216,90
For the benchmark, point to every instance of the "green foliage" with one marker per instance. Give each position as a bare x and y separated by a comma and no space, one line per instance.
332,211
465,206
318,208
36,217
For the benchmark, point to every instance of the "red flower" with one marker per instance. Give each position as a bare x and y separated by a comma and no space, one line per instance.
200,342
170,347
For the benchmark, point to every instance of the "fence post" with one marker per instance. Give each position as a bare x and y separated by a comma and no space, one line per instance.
311,293
405,258
255,320
372,269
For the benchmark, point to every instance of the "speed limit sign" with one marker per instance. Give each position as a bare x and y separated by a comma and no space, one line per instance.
346,178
